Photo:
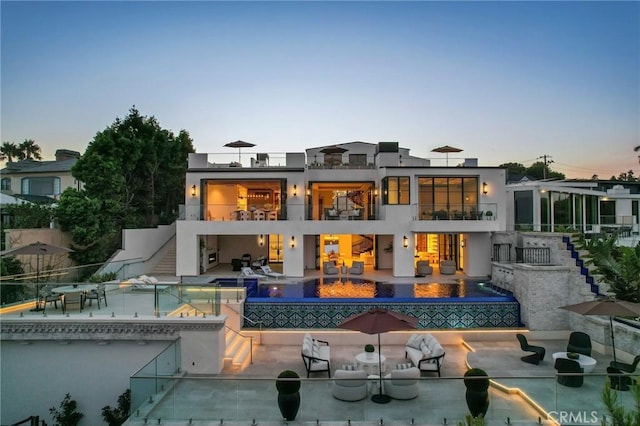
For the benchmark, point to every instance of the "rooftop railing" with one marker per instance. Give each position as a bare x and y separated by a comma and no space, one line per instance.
479,211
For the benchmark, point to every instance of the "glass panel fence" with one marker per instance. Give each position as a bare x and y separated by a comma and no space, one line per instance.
426,400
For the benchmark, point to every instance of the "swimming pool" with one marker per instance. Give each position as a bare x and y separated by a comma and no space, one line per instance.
321,303
333,288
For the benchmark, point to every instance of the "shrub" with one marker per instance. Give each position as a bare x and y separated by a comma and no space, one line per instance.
369,348
117,416
66,414
288,386
476,384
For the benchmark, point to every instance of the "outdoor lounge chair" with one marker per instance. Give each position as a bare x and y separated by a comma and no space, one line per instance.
579,342
564,365
266,269
627,368
248,272
538,351
261,261
329,268
316,355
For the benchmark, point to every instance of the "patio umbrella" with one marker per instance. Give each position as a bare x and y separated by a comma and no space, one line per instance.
239,145
39,249
447,149
609,307
376,321
333,149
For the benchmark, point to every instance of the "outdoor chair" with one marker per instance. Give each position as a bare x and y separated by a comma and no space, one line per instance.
357,267
627,368
579,342
447,267
423,267
47,296
261,261
329,268
236,264
402,383
564,365
316,355
349,385
538,351
246,260
619,380
266,269
96,294
248,272
72,300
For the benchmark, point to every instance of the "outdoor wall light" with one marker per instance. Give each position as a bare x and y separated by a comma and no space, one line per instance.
261,240
308,191
293,241
193,191
295,190
485,188
375,192
405,241
463,243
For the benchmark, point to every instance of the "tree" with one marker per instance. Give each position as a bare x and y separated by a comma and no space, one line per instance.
9,151
30,215
133,174
66,414
625,177
539,169
514,168
30,150
120,414
10,293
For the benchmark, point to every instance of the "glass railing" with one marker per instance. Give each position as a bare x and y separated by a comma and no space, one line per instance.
125,299
157,399
480,211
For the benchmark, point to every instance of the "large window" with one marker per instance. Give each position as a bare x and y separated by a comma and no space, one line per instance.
448,196
47,186
523,204
395,190
5,184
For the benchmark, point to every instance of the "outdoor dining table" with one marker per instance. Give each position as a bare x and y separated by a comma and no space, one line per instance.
85,288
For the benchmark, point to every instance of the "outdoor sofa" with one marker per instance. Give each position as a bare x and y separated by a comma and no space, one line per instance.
425,352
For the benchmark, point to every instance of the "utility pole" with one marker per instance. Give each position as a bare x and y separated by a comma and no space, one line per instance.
547,160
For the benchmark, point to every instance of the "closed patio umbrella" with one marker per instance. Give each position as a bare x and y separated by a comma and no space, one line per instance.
376,321
607,307
39,249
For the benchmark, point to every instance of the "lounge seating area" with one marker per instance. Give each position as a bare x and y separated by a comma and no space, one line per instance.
425,352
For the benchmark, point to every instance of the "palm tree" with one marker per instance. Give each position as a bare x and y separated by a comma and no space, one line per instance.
9,151
30,149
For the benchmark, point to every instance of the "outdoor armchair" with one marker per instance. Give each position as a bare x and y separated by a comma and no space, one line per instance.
579,342
357,267
538,351
47,296
575,379
627,368
423,267
329,268
349,385
97,294
316,355
72,300
402,384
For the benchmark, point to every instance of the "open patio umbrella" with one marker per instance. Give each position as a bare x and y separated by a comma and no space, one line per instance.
333,149
239,145
39,249
376,321
608,307
446,149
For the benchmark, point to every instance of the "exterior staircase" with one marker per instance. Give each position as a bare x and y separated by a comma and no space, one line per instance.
167,266
237,356
584,270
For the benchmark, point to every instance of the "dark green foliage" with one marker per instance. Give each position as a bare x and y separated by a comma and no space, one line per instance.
133,174
621,416
288,386
66,414
477,395
101,278
10,293
369,348
31,215
619,266
117,416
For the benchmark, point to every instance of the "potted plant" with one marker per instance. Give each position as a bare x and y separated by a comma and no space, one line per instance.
477,394
369,349
288,394
489,214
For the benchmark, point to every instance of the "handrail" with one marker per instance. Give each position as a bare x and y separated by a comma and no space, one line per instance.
244,337
259,323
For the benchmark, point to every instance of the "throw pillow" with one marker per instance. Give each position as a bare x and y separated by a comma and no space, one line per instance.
316,348
404,366
414,341
349,367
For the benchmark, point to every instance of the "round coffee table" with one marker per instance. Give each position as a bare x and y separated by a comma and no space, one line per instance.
586,362
369,362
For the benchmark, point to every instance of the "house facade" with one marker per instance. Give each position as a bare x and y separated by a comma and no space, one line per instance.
373,203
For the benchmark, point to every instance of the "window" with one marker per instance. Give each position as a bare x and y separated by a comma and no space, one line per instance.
47,186
357,159
5,184
395,190
443,195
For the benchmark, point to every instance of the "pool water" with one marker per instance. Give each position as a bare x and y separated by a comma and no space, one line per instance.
333,288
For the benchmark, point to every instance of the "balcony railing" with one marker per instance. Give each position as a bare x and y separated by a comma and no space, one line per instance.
481,211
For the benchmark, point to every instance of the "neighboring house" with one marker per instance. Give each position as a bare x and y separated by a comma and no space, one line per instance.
589,206
351,201
40,180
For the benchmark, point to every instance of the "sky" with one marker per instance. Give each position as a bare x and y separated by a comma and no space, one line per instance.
504,81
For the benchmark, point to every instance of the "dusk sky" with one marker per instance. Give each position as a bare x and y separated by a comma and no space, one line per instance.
505,81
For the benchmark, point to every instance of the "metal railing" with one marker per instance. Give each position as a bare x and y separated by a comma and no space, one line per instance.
533,255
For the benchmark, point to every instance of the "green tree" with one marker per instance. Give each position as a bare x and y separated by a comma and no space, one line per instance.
626,177
514,168
9,151
30,215
66,414
10,293
539,169
120,414
133,174
30,150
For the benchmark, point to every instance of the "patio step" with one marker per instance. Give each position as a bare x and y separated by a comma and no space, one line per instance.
237,355
167,266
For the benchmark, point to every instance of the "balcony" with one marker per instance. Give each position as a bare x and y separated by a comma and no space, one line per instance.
481,211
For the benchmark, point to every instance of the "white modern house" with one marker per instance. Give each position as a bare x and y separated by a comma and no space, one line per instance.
349,202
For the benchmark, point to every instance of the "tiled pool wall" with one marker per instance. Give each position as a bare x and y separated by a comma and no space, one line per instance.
453,313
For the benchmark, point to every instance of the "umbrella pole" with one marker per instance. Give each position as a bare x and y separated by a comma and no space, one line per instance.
37,307
380,398
613,342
